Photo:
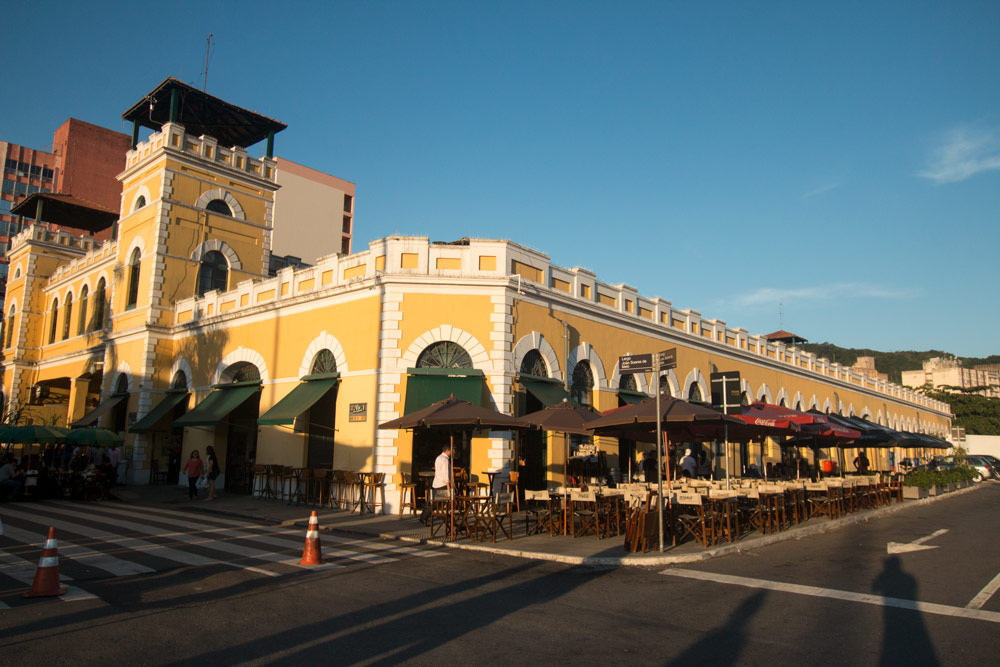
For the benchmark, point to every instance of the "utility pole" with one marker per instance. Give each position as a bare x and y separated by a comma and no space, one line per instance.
208,46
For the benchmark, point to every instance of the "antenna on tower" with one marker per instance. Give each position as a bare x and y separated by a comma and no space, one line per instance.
781,316
208,47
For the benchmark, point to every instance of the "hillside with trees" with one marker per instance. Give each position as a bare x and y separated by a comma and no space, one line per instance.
891,363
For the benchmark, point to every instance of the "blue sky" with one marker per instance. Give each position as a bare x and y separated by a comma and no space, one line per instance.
841,159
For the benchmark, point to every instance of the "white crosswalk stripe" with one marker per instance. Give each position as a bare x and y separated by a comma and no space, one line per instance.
166,538
184,520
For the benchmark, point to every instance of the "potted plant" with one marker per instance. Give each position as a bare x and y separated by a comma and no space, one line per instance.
918,484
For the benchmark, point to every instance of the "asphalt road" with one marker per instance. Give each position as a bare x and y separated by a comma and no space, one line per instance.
242,600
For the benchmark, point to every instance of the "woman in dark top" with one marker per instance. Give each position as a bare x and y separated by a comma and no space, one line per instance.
213,470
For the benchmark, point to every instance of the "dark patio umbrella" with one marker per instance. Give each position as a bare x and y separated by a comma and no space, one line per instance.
564,418
94,436
455,416
36,433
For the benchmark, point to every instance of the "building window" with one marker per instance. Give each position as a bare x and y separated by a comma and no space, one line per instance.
324,363
47,174
345,246
583,382
694,393
347,224
10,165
67,316
219,206
348,203
8,186
627,382
213,273
140,201
665,386
10,327
444,354
133,280
81,326
179,381
100,304
243,371
534,364
55,321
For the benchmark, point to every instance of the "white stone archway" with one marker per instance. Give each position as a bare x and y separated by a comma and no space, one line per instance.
219,246
536,341
695,377
585,352
230,200
236,356
323,341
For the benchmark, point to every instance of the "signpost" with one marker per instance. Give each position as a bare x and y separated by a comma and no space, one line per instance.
726,396
661,361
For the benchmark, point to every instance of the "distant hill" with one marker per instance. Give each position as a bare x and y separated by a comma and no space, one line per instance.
891,363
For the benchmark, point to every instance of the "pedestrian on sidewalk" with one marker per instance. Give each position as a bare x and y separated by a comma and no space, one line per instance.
442,480
213,470
194,468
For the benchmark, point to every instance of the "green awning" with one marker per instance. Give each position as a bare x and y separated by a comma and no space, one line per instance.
218,405
162,409
105,406
632,397
424,389
296,402
549,393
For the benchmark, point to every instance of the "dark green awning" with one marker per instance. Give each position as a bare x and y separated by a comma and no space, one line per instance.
218,405
632,397
91,417
296,402
162,409
549,393
423,389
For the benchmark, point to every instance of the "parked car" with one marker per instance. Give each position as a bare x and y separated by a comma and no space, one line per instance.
983,466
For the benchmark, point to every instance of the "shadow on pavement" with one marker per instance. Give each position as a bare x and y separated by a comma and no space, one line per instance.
723,645
904,635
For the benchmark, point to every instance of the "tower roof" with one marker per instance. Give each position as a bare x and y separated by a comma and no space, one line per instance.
201,113
66,211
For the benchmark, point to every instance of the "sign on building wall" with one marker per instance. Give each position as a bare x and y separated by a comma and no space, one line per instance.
358,412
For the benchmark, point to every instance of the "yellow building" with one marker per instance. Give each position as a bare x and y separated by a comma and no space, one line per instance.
174,333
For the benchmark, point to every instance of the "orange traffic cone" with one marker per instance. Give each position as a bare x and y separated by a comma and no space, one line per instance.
46,583
311,554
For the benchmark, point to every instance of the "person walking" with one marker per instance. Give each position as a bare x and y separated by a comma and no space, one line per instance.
194,468
442,480
213,470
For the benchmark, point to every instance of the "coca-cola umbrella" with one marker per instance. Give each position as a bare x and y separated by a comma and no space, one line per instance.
824,433
455,416
567,419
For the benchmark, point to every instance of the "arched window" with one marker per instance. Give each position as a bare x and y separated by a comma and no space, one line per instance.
68,315
100,305
324,362
213,273
583,382
781,403
133,280
179,381
55,321
694,393
534,364
665,386
243,371
81,327
140,201
744,399
219,206
10,327
444,354
627,381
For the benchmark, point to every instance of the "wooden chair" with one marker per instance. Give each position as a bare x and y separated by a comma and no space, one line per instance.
822,500
583,512
724,508
692,518
319,489
156,476
537,512
500,518
262,481
511,485
405,487
352,490
302,480
440,501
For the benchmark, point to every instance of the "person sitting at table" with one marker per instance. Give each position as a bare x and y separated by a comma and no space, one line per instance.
689,467
649,466
11,480
442,480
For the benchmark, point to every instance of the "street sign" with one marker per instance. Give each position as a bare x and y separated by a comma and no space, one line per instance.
668,359
630,363
726,393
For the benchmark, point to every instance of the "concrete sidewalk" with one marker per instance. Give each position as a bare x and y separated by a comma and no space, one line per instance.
563,549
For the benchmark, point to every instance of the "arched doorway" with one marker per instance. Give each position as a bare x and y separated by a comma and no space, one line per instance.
241,430
322,416
533,453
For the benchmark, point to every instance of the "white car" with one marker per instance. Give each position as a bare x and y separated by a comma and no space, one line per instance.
983,465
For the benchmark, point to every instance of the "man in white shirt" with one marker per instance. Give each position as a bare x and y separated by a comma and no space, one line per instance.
442,480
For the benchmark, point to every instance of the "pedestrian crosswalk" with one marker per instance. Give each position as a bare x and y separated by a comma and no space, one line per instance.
98,541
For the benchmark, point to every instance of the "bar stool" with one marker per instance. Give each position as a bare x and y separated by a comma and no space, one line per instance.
404,486
510,486
351,491
374,485
319,490
262,481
